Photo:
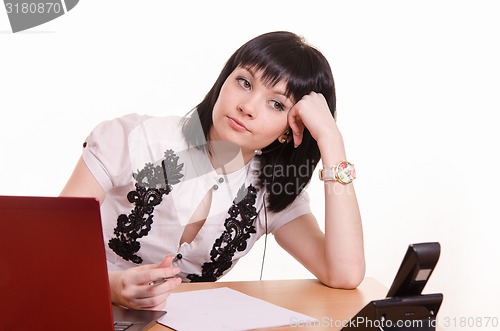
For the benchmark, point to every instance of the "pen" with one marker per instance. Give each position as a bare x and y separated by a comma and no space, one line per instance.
163,280
159,281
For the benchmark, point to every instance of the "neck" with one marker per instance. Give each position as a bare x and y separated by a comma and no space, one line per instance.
227,157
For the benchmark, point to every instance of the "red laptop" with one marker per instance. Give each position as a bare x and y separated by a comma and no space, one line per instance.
53,273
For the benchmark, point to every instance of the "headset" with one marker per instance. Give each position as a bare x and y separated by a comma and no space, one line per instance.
260,152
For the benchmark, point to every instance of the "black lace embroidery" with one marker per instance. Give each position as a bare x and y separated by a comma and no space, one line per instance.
233,239
152,183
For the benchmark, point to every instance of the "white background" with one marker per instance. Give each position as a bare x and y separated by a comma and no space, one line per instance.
418,95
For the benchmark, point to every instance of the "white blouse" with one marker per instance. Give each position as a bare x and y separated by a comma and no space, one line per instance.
154,182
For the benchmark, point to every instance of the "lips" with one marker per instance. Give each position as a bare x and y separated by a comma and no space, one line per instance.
237,125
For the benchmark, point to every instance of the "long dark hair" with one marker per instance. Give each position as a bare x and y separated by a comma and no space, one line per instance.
281,56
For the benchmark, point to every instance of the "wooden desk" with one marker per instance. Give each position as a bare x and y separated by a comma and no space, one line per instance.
309,297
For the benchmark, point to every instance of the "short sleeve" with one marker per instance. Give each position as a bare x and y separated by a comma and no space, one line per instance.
106,151
300,206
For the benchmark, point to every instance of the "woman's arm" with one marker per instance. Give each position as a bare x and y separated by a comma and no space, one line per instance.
337,256
83,184
130,288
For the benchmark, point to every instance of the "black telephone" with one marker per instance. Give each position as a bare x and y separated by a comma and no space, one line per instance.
405,307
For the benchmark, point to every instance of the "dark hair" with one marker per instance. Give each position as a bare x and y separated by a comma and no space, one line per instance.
281,56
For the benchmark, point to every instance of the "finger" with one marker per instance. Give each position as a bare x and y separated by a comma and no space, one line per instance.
164,286
154,295
297,128
154,302
154,273
166,265
158,275
167,261
161,293
293,119
143,297
296,125
297,138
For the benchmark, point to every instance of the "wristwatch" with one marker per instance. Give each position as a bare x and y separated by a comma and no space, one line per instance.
343,173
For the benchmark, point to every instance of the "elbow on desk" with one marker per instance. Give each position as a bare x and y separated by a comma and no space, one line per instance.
347,280
347,284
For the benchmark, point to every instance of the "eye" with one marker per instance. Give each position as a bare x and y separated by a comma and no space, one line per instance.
245,83
275,104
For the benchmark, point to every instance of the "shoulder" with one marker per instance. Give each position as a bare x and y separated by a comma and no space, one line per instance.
137,124
118,147
118,126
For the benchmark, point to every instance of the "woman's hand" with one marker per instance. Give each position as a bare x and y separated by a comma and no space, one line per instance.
312,112
136,287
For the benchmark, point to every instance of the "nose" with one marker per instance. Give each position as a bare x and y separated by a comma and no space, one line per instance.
250,106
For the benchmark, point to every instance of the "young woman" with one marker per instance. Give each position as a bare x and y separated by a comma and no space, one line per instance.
182,199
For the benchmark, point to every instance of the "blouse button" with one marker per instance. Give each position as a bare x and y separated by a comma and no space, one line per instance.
221,180
215,187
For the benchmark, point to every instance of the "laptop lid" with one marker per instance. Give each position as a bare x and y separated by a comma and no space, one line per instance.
53,273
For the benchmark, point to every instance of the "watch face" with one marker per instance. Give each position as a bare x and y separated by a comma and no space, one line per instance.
345,172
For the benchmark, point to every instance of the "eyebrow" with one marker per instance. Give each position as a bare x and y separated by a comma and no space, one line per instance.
252,73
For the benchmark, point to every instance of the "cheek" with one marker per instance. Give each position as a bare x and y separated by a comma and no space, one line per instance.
220,104
275,127
215,110
218,107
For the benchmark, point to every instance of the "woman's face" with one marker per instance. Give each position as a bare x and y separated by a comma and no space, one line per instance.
248,112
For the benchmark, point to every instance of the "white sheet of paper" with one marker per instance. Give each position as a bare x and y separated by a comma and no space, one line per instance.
225,309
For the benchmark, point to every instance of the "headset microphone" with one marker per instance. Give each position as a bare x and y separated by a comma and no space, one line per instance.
264,201
260,151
